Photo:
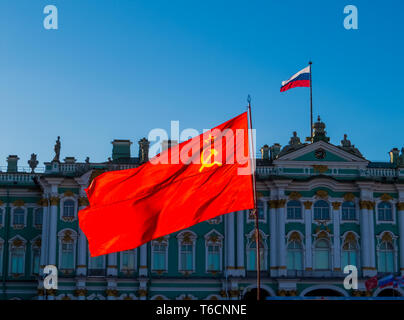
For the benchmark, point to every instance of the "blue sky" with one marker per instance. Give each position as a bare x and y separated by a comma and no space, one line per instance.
117,69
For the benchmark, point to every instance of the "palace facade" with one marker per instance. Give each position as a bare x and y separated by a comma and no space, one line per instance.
320,206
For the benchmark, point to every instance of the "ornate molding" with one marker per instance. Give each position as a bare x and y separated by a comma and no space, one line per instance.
80,292
387,237
18,203
281,203
322,235
295,236
111,292
369,205
400,206
386,197
83,202
54,201
42,202
336,205
142,292
295,195
1,203
68,193
307,205
320,168
322,194
349,196
273,204
51,292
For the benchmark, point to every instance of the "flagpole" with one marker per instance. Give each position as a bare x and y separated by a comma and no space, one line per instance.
254,210
311,106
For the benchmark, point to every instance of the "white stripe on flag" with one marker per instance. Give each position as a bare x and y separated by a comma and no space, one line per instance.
305,70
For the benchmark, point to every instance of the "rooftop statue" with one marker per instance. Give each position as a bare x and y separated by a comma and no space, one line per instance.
57,150
33,162
346,143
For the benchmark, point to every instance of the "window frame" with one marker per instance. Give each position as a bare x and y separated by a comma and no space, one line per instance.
322,208
63,217
330,254
294,207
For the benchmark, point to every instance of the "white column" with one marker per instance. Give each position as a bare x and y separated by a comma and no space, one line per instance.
230,243
400,213
365,240
112,267
54,204
143,261
44,237
371,226
81,267
281,237
240,242
273,261
308,235
337,242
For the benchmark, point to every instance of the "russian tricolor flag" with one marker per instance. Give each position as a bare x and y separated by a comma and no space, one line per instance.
300,79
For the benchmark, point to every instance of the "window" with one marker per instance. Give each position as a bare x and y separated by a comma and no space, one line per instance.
1,256
186,257
19,216
385,211
295,255
186,242
252,253
68,209
385,261
128,260
350,251
36,253
294,210
1,216
96,266
213,257
321,210
159,255
322,255
348,211
38,217
17,260
67,261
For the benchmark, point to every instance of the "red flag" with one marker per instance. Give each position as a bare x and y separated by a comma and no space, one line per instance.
205,177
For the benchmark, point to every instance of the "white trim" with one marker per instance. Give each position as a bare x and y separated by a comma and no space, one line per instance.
395,249
121,260
324,286
13,208
60,235
194,236
159,295
330,251
96,295
247,249
301,220
220,243
62,201
393,212
166,242
34,210
302,242
262,286
33,246
24,247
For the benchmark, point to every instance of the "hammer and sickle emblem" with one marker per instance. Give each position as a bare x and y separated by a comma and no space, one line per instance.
212,153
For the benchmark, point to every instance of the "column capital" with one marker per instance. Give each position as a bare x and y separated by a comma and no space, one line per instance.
273,204
281,203
307,205
336,205
83,202
400,206
43,202
54,201
366,204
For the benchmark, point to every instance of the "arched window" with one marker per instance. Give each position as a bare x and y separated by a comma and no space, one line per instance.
295,252
213,243
38,217
17,255
252,254
322,255
350,251
160,254
68,209
348,211
67,245
19,217
128,259
321,210
186,251
385,211
385,254
36,254
294,210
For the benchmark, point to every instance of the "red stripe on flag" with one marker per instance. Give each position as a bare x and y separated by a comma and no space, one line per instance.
294,84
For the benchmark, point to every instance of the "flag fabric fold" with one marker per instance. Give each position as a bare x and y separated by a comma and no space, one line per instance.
131,207
300,79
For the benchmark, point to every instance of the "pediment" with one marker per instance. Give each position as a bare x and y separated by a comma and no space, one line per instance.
321,152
